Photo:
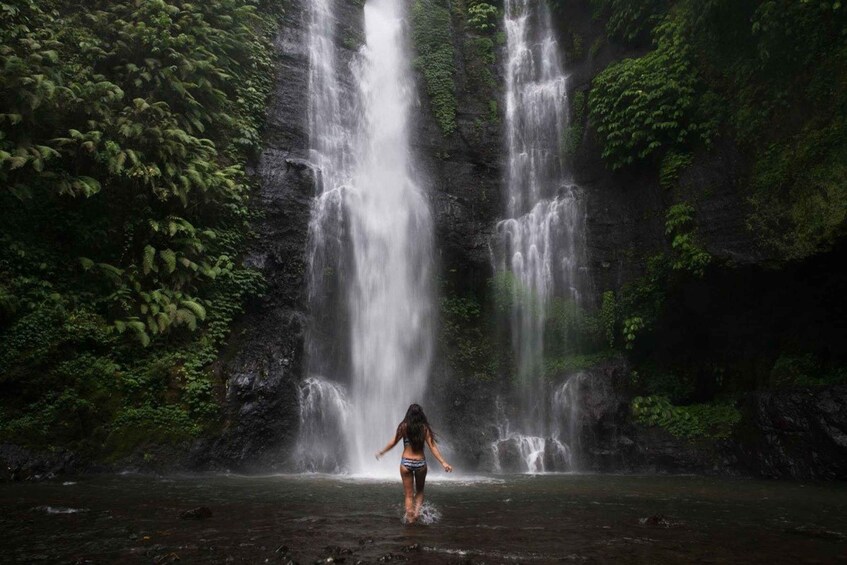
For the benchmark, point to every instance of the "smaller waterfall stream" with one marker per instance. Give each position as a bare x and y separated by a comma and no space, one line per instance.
541,242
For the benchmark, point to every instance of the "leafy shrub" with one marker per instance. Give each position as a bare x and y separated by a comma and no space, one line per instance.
644,105
711,421
630,21
673,164
631,327
483,16
688,255
479,61
125,129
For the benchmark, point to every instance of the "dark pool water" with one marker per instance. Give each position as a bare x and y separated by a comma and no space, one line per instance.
519,519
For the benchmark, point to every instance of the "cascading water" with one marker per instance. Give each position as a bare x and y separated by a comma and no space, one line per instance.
370,243
324,415
540,249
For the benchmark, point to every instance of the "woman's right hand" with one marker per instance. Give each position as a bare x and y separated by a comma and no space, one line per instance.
448,468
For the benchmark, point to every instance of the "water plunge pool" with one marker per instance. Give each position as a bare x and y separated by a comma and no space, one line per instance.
496,519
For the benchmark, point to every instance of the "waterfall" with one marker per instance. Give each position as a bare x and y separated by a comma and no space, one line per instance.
324,415
541,243
370,241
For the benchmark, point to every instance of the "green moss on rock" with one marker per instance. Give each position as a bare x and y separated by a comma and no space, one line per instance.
433,41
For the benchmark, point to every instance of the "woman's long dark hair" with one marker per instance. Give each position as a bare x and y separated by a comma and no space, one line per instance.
414,426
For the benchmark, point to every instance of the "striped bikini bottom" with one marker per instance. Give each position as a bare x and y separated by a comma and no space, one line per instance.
413,464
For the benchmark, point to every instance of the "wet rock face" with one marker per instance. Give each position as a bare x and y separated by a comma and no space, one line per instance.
266,349
464,172
608,440
793,433
800,433
463,175
261,392
19,464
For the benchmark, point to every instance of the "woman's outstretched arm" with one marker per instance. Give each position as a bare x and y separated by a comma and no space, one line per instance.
390,444
434,448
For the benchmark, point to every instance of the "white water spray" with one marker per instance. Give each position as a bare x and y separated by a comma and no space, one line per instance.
541,241
371,230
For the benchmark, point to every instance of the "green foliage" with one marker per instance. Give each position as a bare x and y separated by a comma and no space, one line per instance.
779,65
558,366
478,23
479,59
433,39
596,45
676,387
631,326
573,334
630,21
805,370
609,316
673,164
467,338
507,291
799,197
483,17
697,421
768,73
650,104
641,301
575,129
124,131
687,256
576,49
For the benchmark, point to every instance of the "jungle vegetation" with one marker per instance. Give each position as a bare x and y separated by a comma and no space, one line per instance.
125,129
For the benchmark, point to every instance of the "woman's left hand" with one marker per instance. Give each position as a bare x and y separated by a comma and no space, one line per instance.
378,455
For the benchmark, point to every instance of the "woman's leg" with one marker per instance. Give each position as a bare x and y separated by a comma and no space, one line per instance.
420,481
409,492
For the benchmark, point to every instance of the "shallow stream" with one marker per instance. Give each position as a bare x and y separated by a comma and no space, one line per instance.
512,519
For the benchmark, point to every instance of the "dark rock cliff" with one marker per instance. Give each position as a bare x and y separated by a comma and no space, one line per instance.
799,433
266,350
464,172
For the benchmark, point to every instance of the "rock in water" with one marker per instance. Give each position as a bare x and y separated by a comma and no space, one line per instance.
199,513
655,520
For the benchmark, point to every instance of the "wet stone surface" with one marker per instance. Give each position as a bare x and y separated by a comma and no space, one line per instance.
515,519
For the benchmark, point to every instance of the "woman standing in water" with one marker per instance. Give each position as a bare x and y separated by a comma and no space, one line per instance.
415,431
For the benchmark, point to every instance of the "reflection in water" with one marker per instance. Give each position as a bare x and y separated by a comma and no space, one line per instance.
536,519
